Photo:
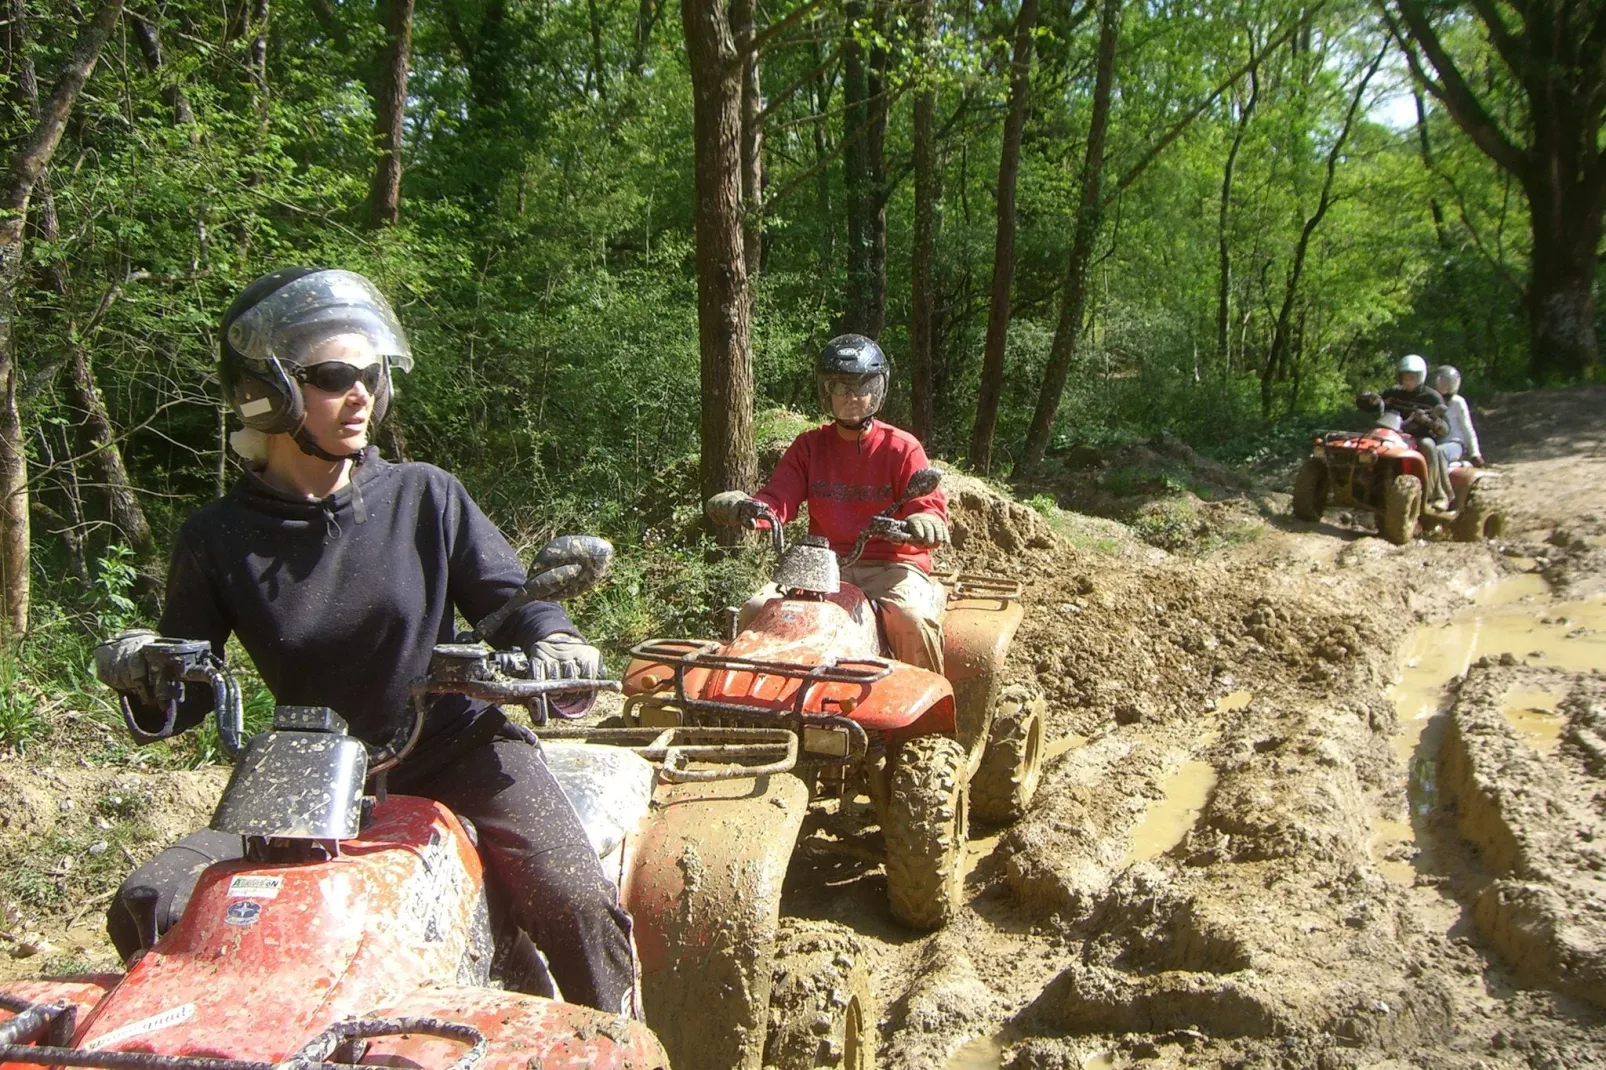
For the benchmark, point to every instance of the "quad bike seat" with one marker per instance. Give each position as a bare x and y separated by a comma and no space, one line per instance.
609,787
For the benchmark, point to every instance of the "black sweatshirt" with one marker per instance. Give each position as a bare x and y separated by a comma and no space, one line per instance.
340,601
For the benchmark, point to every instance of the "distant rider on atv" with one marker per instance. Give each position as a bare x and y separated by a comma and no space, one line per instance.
848,471
339,572
1462,441
1421,410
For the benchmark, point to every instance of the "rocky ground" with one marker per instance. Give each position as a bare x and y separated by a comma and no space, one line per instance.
1313,800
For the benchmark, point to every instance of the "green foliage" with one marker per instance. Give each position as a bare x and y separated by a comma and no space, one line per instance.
544,267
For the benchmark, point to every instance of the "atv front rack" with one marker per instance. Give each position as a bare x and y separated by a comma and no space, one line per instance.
671,749
55,1024
681,655
961,585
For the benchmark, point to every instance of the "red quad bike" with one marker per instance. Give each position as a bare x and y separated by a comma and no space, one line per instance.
356,931
1382,471
926,749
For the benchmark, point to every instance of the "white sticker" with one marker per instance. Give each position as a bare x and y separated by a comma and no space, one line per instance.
250,886
257,407
143,1026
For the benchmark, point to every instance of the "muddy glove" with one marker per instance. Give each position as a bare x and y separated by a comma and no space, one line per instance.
733,507
561,656
120,664
1370,401
926,530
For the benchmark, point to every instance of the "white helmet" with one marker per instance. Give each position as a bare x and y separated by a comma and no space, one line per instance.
1413,364
1450,376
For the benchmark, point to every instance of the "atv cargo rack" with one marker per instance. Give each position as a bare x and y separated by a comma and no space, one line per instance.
681,655
961,585
56,1022
672,748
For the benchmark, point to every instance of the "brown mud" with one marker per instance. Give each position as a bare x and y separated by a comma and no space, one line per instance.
1250,845
1310,800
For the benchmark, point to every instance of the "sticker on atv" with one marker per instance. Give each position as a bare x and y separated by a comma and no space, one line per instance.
253,886
245,912
143,1026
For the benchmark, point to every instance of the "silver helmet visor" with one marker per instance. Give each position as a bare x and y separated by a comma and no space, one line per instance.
294,320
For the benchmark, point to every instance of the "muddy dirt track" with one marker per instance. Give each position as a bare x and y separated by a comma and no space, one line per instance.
1312,800
1279,829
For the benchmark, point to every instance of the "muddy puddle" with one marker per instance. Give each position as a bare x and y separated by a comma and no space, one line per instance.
1165,824
1515,620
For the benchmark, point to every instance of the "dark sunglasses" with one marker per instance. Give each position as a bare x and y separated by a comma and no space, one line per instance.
337,377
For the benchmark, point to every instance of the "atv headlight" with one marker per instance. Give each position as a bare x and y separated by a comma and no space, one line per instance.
832,742
1318,450
1368,459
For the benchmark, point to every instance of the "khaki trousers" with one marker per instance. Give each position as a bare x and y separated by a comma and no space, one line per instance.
908,602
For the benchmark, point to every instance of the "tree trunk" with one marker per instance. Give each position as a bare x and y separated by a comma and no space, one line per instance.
1554,54
1426,147
928,203
742,32
599,68
992,362
1277,356
646,18
150,47
1090,213
729,460
864,127
390,114
1224,211
32,156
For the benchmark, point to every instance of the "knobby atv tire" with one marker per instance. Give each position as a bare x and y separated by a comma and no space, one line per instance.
1480,518
1402,506
822,1011
1310,489
1007,778
926,822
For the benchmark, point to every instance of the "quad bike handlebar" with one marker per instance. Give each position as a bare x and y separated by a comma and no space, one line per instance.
881,526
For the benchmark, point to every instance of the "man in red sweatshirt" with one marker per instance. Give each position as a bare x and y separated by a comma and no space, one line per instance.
848,471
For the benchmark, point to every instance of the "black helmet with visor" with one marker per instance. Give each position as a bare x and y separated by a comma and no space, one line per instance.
852,365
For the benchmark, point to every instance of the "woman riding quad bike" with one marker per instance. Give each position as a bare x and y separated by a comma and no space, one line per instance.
339,572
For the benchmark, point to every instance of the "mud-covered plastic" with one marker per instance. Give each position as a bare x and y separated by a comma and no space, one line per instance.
609,787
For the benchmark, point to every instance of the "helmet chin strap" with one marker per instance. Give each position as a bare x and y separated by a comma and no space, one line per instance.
310,447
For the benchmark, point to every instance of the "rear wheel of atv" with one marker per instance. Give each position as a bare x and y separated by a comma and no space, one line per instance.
1478,519
1007,778
822,1013
1402,505
925,829
1310,489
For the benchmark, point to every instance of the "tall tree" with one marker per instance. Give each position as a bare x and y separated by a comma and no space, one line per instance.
998,310
928,204
1089,215
1240,127
390,113
1552,50
1279,353
744,31
729,460
33,154
864,130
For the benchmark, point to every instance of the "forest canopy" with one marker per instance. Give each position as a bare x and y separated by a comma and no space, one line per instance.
1221,219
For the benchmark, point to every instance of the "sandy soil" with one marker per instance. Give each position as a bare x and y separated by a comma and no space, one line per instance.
1313,800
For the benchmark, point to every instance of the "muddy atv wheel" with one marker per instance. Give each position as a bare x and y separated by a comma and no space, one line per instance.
1402,505
1007,778
1479,519
822,1013
925,828
1310,489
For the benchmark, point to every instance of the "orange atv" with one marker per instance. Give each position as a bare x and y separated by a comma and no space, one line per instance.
356,930
925,748
1382,472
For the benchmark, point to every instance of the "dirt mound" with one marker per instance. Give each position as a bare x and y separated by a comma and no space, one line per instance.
1526,788
1168,494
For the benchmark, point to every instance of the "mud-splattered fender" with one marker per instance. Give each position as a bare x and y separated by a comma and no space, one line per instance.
706,898
976,633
